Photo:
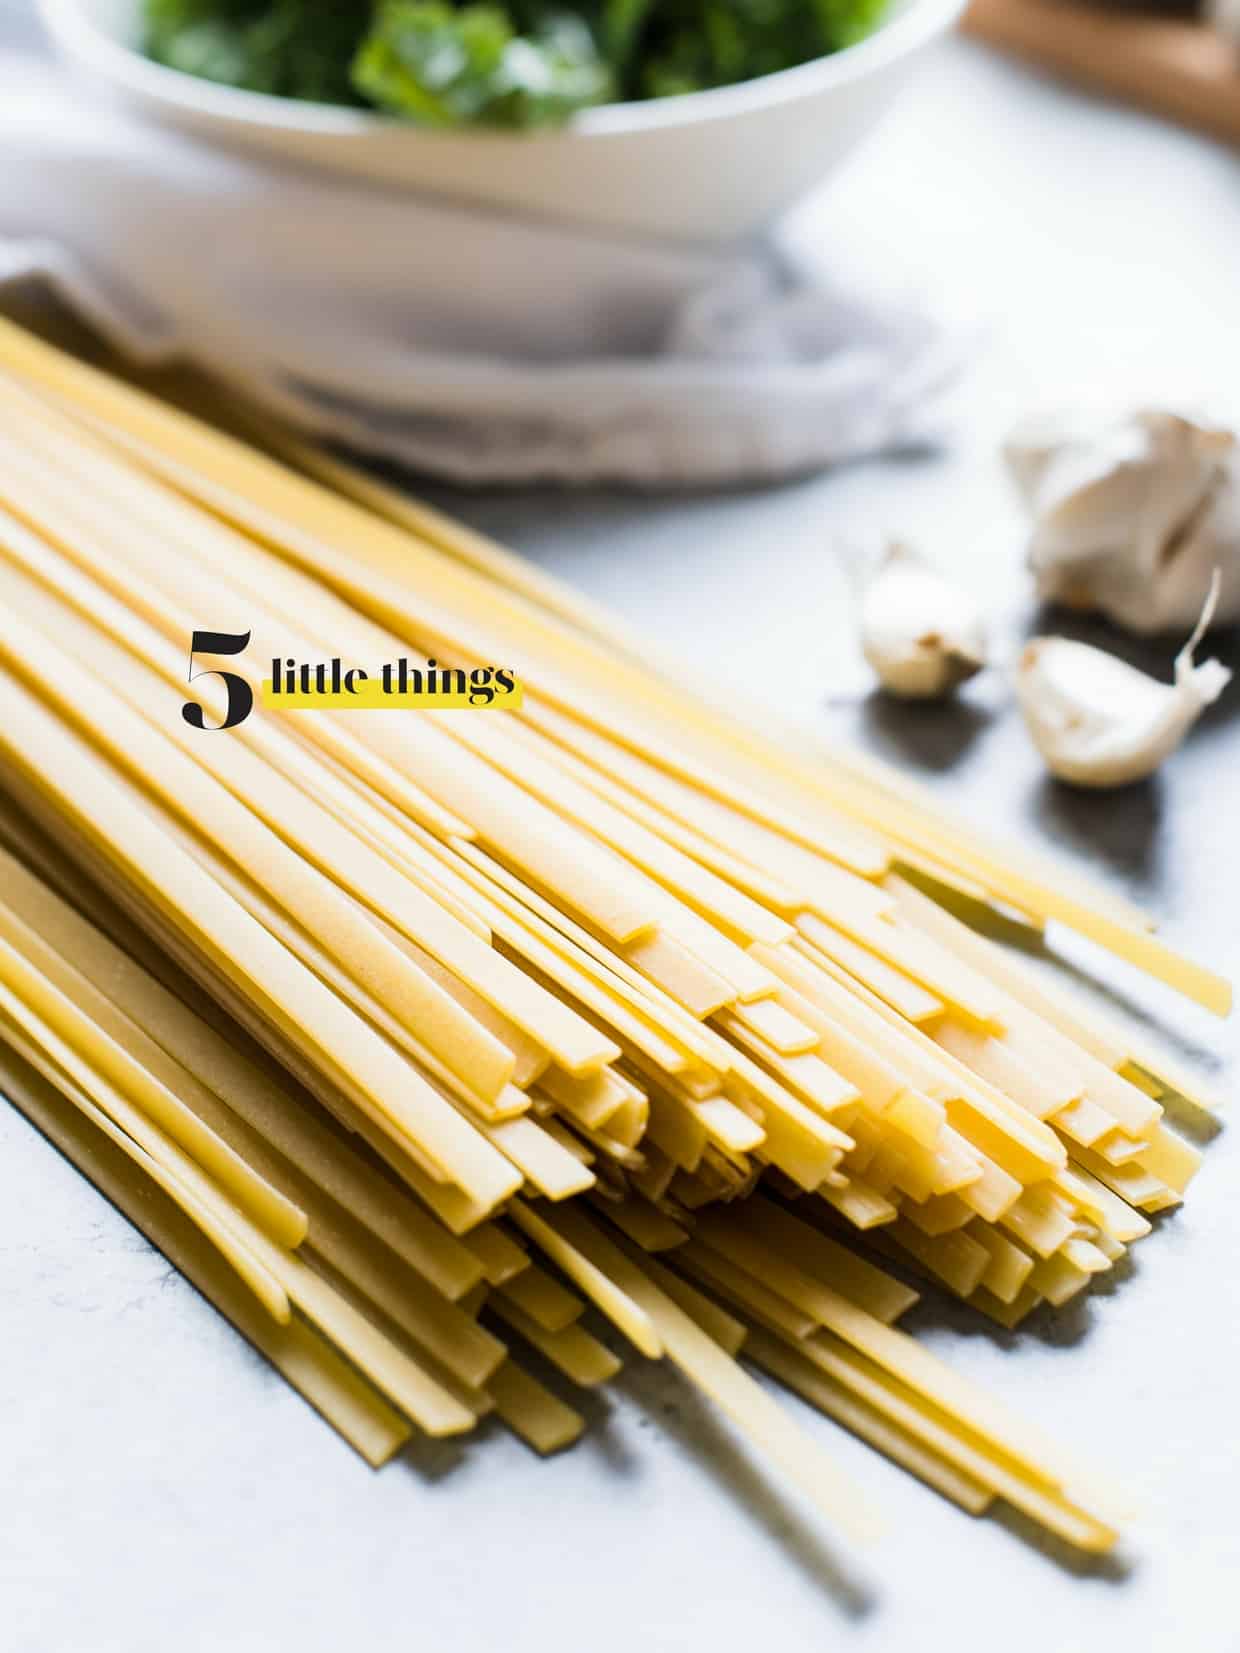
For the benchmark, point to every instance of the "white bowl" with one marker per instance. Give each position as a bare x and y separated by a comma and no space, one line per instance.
704,166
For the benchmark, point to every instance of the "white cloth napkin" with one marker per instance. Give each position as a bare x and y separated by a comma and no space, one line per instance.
468,344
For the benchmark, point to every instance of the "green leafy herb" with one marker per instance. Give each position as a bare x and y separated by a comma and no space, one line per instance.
291,48
525,63
447,65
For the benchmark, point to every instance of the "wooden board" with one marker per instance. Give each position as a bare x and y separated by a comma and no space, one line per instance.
1186,71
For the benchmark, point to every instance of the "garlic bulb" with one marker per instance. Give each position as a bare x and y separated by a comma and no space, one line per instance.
921,635
1132,516
1099,722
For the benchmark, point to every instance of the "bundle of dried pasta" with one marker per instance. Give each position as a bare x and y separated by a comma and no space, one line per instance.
408,1036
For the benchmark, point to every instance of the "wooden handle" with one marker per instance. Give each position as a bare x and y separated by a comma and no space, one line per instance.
1186,71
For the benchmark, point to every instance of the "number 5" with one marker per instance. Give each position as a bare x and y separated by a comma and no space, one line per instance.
240,694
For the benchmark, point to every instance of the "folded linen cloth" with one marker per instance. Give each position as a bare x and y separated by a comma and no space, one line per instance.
461,342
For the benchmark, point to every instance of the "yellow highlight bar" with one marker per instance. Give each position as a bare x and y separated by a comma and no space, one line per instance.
369,695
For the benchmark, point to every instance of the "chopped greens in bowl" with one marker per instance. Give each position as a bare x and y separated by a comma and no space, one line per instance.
523,64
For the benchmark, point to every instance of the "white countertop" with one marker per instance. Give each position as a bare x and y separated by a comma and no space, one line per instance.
163,1491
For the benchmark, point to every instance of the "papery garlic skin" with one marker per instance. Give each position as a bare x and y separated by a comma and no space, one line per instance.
1099,722
922,635
1132,516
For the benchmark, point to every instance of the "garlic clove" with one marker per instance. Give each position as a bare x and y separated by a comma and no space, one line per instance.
922,635
1099,722
1131,517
